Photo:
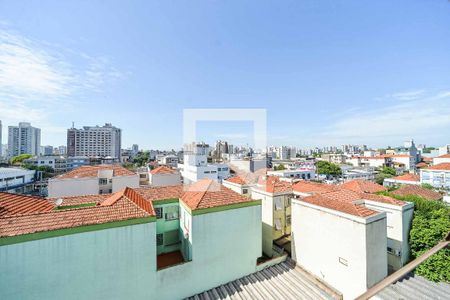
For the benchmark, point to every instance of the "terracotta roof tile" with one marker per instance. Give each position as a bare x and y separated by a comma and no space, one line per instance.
444,156
76,200
160,193
237,180
407,177
13,204
92,171
442,166
313,187
207,193
273,184
407,190
346,201
162,170
363,186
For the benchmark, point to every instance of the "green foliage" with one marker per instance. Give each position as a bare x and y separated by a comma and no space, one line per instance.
388,171
327,168
428,149
380,177
427,186
142,158
20,158
279,167
47,171
430,225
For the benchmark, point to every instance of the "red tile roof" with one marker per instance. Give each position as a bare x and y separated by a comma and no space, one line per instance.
444,156
407,190
422,165
442,166
13,204
427,159
237,180
362,186
407,177
124,208
92,171
273,184
162,170
208,193
346,201
22,214
313,187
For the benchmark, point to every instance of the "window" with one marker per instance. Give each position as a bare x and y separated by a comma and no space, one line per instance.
277,224
171,213
244,191
288,220
159,212
171,237
343,261
278,204
103,181
159,239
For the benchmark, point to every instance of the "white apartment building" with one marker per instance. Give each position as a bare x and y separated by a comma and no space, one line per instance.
23,139
94,141
164,176
238,185
275,196
349,173
57,163
168,160
370,161
92,180
196,167
335,158
409,179
1,149
436,175
16,180
342,237
248,164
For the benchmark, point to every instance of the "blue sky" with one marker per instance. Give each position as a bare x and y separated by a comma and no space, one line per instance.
328,72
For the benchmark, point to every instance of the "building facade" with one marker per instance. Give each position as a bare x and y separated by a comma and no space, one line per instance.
94,141
23,139
16,180
92,180
436,175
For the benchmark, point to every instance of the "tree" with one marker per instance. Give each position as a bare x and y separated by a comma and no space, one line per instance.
380,177
427,186
280,167
431,223
18,159
388,170
47,171
327,168
142,158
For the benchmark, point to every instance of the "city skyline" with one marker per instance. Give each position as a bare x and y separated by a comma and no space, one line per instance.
384,82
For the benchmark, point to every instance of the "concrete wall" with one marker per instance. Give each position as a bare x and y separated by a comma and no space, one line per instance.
267,220
164,179
117,263
121,182
72,187
225,246
334,247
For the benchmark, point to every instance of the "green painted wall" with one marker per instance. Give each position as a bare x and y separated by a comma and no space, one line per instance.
169,228
105,264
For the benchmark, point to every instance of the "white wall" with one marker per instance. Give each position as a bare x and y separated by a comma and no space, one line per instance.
72,187
164,179
335,247
121,182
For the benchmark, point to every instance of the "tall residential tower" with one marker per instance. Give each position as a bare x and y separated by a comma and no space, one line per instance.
23,139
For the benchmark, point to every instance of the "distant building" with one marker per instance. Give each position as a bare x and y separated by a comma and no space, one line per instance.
1,148
94,141
335,158
436,175
92,180
164,176
57,163
23,139
300,173
62,150
17,180
349,173
168,160
445,158
248,164
195,165
48,150
77,161
409,179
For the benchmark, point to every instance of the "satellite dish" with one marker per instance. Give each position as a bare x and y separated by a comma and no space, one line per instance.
58,201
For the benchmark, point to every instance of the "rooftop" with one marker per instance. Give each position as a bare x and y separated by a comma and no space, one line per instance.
407,190
363,186
273,184
282,281
407,177
441,166
444,156
313,187
92,171
162,170
21,215
349,202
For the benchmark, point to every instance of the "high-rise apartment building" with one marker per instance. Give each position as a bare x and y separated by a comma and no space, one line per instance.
24,139
1,152
94,141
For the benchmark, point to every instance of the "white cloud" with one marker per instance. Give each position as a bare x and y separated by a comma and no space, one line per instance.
408,95
39,80
424,118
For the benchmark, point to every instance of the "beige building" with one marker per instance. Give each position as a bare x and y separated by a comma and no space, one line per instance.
164,176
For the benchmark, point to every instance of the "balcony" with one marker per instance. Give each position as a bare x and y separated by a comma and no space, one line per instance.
169,259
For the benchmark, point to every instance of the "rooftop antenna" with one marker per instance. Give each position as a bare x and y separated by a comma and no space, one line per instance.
58,201
73,124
